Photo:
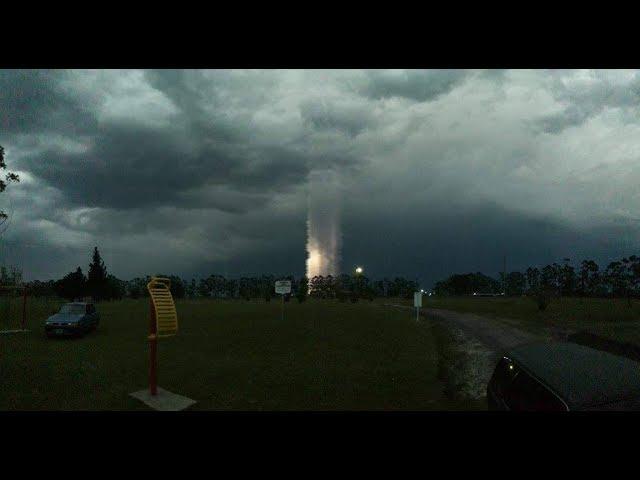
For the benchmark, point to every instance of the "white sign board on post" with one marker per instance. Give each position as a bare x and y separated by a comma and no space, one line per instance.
417,299
283,287
417,302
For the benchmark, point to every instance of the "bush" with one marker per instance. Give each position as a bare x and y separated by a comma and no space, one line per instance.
543,297
354,296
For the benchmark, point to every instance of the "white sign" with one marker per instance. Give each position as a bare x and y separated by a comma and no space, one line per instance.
283,287
417,299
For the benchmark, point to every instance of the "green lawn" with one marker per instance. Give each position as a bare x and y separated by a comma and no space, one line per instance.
231,355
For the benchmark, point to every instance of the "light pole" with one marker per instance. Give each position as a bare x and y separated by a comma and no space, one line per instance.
358,277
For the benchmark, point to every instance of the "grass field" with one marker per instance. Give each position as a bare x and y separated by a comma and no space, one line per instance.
611,319
231,355
567,312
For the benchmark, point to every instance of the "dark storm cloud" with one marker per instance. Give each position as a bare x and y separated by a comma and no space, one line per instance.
205,100
475,238
588,100
130,167
415,84
33,101
211,168
351,119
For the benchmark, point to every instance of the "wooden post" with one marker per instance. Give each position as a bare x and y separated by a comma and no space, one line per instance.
153,350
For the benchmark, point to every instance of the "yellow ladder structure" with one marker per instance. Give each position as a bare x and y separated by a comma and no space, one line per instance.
165,309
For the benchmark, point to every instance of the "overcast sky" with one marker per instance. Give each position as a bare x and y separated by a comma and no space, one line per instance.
199,172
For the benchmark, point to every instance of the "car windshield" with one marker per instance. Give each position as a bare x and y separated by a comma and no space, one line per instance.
73,309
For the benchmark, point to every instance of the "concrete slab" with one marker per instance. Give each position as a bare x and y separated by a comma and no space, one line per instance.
164,401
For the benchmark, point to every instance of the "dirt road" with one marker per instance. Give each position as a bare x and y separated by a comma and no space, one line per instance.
494,334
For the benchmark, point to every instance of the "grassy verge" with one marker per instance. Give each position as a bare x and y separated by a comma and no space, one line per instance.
231,355
573,313
454,359
607,324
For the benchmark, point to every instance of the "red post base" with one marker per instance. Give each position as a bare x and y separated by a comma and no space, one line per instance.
153,351
153,362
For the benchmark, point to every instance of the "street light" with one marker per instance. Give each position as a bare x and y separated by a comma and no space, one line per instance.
358,269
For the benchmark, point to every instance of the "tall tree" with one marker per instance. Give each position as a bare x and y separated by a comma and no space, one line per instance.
10,276
616,279
72,286
9,177
303,289
549,277
567,278
589,278
515,283
634,274
176,287
97,283
115,289
533,279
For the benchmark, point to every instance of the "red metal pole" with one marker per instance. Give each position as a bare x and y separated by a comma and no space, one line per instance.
153,350
24,308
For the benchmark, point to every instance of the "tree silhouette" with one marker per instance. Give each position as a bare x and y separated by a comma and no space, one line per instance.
533,279
72,286
566,278
97,283
303,290
9,177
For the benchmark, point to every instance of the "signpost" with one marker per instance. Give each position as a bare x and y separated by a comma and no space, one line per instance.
283,287
417,302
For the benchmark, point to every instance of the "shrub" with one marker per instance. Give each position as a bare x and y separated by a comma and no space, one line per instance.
354,296
543,297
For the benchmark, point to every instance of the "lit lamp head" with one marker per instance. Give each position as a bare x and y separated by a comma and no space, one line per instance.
358,270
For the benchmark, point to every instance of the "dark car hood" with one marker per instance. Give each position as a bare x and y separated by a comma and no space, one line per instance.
64,317
582,376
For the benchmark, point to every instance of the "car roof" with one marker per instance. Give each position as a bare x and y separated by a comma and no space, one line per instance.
582,376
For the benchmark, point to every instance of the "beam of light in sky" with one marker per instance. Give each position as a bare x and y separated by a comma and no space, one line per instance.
324,236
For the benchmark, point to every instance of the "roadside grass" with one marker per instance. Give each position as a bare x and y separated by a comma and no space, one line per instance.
609,319
454,362
231,355
564,312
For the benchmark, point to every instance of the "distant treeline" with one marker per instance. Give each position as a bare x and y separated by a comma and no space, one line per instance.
619,279
343,287
100,285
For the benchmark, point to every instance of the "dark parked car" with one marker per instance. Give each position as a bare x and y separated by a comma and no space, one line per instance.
73,319
562,377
